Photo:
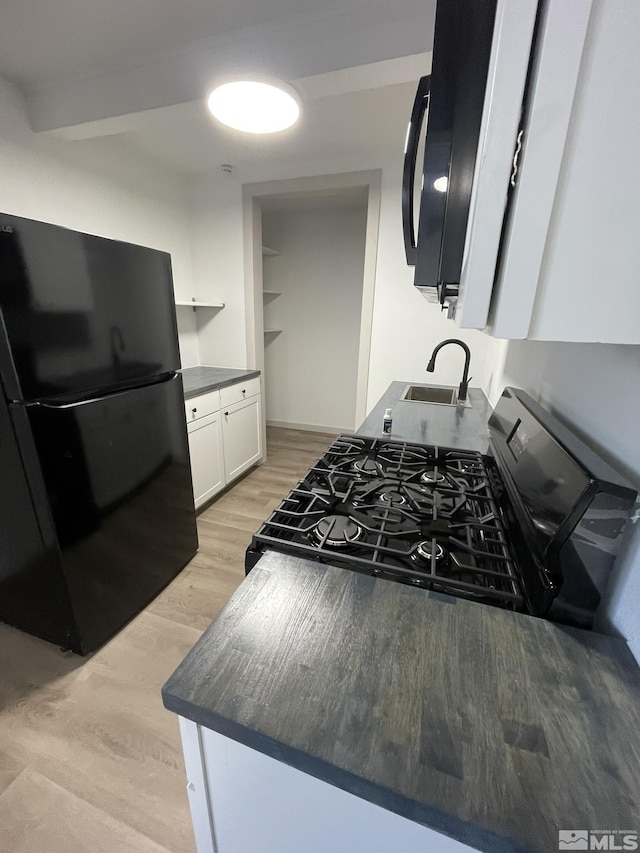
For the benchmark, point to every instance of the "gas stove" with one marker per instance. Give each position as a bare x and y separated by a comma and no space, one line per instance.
426,516
482,527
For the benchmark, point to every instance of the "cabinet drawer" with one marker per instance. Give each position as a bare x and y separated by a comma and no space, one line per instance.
241,391
202,405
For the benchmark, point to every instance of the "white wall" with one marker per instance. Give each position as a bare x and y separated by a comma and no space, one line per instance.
405,326
218,268
311,368
100,187
595,390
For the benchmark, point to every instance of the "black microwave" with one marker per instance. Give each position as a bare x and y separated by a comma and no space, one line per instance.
449,102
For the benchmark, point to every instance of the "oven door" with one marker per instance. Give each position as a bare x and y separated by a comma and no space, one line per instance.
461,53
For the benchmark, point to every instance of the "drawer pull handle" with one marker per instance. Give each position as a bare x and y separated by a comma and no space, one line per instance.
244,391
226,414
194,411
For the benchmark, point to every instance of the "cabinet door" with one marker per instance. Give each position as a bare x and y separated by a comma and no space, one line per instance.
587,286
512,37
562,84
205,447
290,810
242,436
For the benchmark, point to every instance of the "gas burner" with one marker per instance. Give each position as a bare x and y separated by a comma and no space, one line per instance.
425,551
430,478
339,530
365,466
384,507
392,498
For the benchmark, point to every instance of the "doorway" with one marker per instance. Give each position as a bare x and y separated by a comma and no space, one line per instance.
310,256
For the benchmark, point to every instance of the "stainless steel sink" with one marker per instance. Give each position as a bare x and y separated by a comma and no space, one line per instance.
440,395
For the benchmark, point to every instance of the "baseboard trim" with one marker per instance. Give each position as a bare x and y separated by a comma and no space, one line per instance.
332,430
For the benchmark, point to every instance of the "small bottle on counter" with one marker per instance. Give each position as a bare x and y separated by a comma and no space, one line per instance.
387,421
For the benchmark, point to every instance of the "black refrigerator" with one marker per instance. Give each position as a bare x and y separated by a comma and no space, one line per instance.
96,504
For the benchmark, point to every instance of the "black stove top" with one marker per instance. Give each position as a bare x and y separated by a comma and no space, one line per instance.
425,516
535,526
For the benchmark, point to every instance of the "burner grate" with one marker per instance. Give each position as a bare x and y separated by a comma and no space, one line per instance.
424,516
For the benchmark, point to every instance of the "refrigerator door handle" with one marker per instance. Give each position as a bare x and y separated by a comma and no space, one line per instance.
418,112
70,404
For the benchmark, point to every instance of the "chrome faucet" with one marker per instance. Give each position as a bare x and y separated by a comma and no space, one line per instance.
462,389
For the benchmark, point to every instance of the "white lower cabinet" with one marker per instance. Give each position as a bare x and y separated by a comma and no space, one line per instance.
242,436
207,464
290,811
223,443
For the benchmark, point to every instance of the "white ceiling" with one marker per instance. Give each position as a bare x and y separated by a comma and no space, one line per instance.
347,127
49,40
139,71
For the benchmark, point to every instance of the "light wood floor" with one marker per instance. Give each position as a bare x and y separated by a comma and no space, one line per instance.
90,761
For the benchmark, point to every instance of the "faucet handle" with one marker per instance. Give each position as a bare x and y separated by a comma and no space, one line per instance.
463,388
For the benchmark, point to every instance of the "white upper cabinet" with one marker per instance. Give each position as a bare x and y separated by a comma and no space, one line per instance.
568,264
501,120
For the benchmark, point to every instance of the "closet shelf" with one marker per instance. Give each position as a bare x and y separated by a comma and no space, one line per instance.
269,253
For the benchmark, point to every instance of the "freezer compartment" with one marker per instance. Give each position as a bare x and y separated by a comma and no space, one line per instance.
118,482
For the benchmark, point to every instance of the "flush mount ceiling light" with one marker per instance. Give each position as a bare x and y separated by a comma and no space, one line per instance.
441,184
254,107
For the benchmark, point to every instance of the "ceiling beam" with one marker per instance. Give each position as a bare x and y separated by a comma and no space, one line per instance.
161,88
405,69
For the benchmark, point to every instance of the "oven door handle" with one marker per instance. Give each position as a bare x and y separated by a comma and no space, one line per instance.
418,112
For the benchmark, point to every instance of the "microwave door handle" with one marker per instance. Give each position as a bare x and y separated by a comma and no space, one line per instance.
408,175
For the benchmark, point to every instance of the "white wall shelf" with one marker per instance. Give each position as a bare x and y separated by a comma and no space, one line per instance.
271,293
198,304
272,331
269,253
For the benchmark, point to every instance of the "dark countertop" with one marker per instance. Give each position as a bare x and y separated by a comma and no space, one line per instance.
426,423
495,728
199,380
